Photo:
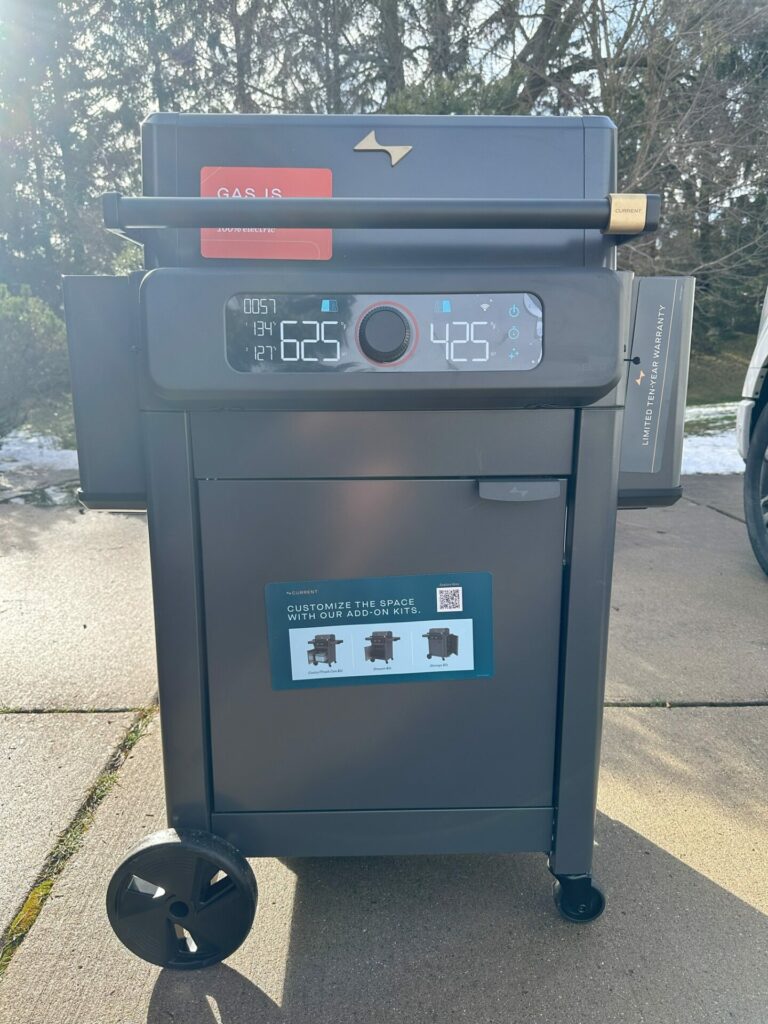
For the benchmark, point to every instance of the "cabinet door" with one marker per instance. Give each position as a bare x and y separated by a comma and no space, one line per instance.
440,742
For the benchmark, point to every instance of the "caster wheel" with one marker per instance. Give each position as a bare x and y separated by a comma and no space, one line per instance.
429,656
577,898
183,900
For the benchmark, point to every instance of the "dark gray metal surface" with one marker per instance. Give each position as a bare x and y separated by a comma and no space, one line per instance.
586,610
586,315
539,158
442,743
102,316
599,167
375,833
290,445
179,619
654,414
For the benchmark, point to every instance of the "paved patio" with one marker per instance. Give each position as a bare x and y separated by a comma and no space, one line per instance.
682,827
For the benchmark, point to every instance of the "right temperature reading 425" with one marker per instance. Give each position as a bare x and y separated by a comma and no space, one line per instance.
463,340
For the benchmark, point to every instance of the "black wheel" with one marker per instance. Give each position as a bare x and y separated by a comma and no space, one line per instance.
182,899
429,656
756,490
578,898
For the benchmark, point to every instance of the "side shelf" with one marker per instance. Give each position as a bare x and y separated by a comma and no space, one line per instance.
657,383
102,332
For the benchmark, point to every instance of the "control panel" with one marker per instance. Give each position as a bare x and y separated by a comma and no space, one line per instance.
385,338
315,333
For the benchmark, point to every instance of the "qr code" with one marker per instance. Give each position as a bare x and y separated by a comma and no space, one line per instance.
450,599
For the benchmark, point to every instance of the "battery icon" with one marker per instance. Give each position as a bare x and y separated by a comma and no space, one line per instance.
443,306
329,306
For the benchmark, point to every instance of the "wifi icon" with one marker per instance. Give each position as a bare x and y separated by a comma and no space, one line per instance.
485,305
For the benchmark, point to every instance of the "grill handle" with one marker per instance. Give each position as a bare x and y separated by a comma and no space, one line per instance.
621,215
520,490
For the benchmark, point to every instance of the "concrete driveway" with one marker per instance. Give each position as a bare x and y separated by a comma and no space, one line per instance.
682,832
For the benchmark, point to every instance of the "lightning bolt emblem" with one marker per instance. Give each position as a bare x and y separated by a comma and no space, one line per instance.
638,379
370,145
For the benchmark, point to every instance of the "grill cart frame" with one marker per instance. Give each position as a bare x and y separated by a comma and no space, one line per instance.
283,501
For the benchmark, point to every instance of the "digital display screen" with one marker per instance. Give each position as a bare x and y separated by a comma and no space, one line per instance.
384,333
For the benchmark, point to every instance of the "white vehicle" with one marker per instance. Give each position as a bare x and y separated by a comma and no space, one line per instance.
752,434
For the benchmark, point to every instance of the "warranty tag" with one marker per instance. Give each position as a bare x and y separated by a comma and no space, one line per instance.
266,183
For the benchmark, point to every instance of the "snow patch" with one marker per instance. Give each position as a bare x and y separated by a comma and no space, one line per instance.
710,440
21,449
713,453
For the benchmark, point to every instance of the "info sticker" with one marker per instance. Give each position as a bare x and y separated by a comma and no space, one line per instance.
392,629
266,183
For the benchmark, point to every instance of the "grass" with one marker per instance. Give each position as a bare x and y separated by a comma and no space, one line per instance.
719,377
70,841
10,709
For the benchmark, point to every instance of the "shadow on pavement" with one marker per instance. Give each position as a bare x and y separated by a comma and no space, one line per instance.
24,529
477,939
28,528
218,995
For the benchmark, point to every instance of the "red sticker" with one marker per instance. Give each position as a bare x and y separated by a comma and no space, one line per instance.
266,243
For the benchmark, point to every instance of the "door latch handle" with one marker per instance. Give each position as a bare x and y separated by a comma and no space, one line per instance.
520,490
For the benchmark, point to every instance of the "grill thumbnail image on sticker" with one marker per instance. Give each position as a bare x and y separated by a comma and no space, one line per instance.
441,642
323,649
380,645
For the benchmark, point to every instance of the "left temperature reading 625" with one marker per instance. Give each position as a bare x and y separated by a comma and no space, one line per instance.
310,341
